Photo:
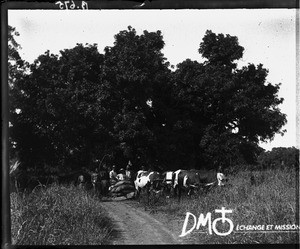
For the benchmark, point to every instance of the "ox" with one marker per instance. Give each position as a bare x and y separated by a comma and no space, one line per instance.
211,178
193,179
148,180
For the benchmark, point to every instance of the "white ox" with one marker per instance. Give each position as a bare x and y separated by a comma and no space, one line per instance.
151,181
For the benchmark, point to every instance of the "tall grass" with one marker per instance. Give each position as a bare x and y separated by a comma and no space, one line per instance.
58,215
255,197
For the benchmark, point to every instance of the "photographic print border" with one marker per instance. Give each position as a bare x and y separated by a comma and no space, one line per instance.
212,4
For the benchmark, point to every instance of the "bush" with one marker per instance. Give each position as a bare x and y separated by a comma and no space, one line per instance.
58,215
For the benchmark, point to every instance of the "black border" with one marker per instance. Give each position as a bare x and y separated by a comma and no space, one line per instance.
5,196
134,4
162,4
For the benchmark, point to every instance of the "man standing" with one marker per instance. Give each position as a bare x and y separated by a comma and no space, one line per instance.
113,175
104,180
129,173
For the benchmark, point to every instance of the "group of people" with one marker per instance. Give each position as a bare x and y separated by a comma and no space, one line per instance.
109,176
124,174
105,177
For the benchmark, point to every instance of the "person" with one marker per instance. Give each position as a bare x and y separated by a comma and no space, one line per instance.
95,181
128,173
121,175
104,180
113,175
80,181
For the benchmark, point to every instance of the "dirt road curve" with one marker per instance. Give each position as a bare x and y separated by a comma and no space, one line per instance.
137,227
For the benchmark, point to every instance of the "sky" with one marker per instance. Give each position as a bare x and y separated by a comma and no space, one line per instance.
268,36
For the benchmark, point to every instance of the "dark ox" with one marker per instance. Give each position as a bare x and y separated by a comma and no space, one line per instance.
149,181
194,179
167,182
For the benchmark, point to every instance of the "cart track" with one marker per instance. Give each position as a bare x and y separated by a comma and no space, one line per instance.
137,227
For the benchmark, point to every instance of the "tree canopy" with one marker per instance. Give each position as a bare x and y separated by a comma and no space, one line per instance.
127,104
228,110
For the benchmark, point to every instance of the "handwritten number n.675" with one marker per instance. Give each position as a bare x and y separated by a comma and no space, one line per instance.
64,5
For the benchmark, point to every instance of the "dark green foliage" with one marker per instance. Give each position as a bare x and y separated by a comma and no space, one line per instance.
220,49
137,72
223,111
81,107
15,61
56,125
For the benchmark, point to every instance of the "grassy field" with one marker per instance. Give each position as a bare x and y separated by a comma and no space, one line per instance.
256,198
65,215
58,215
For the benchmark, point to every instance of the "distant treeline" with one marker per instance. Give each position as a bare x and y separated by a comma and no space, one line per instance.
279,157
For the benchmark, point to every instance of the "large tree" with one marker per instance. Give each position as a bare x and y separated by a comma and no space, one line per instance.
81,105
16,70
126,104
57,120
228,110
137,74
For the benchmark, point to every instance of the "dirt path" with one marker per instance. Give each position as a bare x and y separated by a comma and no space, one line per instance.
137,227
